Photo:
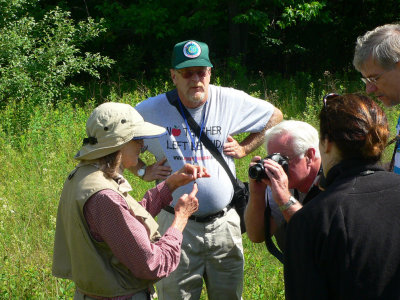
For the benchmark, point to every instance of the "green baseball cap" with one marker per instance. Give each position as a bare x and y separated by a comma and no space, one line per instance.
190,54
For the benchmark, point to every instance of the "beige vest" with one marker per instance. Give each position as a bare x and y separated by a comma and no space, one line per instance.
79,257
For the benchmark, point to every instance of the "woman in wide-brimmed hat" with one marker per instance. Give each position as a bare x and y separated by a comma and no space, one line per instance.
106,242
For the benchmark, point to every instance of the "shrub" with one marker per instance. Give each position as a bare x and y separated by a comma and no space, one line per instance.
40,51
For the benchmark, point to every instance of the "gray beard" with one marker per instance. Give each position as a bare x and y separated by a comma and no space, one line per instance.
197,100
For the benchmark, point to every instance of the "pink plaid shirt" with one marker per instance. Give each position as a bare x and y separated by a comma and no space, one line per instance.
110,221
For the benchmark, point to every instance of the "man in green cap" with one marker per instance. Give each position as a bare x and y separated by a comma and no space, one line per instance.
212,242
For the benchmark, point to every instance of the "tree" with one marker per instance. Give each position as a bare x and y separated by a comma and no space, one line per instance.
40,52
244,36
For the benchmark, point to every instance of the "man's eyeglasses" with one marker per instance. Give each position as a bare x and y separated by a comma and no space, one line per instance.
372,79
189,73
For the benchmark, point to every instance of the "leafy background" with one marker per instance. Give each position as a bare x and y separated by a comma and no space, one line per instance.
60,59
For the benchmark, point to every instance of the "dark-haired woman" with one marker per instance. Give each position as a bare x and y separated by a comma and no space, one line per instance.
346,243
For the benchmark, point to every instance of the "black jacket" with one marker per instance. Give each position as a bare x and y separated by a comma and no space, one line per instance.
345,244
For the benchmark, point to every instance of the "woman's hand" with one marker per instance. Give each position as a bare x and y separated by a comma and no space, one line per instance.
184,208
186,174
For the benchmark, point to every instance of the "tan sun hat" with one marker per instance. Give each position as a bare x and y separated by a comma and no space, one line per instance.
110,126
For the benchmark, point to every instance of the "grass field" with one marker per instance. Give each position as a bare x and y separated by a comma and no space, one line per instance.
37,145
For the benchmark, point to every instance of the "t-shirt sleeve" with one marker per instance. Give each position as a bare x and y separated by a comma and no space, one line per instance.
250,114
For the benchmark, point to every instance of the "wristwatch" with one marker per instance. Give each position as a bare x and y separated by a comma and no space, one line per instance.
142,171
292,200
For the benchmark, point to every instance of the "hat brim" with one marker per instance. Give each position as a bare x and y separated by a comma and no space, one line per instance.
199,62
90,153
148,131
144,130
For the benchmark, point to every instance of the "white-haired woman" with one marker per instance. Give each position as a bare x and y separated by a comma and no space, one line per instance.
106,242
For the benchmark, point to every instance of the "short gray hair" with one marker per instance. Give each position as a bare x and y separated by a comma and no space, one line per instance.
383,43
303,134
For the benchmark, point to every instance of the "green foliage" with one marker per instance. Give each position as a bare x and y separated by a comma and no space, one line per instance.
39,54
37,158
284,36
261,268
30,183
44,49
265,18
144,18
254,17
302,12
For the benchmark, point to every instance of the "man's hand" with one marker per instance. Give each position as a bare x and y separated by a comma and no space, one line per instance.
254,213
157,171
257,187
278,181
185,175
233,148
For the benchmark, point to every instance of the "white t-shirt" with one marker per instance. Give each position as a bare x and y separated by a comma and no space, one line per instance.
226,112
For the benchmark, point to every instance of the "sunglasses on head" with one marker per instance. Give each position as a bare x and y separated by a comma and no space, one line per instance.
327,97
325,100
189,73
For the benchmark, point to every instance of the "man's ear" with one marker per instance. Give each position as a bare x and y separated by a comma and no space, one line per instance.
310,155
173,75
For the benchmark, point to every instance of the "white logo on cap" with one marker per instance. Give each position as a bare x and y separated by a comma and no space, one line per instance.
191,49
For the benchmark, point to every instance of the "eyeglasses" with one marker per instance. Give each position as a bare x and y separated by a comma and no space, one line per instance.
189,73
372,79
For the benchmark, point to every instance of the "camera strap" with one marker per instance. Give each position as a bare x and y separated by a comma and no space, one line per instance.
267,232
172,97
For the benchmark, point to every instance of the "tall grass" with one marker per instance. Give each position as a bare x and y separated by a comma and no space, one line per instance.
37,145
